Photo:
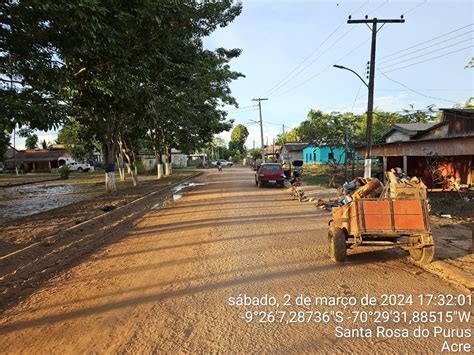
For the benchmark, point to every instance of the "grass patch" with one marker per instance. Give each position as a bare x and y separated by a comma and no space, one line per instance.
450,202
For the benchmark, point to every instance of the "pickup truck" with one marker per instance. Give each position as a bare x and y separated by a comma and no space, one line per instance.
80,167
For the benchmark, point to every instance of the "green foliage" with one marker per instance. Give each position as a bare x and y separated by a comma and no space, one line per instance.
77,140
4,143
123,70
255,153
288,137
31,141
470,64
64,172
237,138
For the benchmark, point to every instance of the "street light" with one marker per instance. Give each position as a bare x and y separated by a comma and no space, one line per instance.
368,131
345,68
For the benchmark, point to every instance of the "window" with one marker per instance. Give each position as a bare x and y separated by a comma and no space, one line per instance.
330,156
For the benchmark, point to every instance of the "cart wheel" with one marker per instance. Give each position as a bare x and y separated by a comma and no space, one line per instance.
422,255
337,244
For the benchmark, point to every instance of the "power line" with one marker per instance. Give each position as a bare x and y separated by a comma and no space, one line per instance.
356,97
311,62
323,70
287,77
421,49
413,90
430,40
241,108
422,55
414,7
429,59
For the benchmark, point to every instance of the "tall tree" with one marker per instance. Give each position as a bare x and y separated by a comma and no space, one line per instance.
92,60
237,139
31,141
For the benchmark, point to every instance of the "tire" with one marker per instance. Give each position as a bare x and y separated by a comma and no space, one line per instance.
282,185
422,255
337,244
79,170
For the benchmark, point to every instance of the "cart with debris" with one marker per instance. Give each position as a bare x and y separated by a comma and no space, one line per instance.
399,217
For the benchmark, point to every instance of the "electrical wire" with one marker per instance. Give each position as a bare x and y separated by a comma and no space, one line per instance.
422,55
413,90
287,77
430,40
421,49
429,59
356,97
323,70
414,7
240,108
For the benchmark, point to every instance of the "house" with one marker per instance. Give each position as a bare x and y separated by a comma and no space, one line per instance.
148,159
292,151
440,155
272,152
400,132
313,154
37,160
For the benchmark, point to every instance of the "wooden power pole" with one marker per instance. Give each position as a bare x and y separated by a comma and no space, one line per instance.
261,123
370,102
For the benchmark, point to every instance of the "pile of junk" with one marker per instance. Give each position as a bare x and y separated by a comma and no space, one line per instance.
397,186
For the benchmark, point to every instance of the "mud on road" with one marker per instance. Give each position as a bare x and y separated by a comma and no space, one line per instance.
164,283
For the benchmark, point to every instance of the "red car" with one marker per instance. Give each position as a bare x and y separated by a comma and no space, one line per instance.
271,174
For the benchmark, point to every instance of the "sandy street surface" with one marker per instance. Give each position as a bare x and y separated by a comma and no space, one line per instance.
164,286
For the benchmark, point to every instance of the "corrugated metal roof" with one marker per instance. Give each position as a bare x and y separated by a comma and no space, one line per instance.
416,127
291,147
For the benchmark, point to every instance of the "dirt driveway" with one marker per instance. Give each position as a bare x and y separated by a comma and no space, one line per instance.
165,285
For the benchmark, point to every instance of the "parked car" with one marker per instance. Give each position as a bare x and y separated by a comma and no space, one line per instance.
223,163
80,167
3,170
270,174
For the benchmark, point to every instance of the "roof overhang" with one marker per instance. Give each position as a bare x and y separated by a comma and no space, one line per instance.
441,146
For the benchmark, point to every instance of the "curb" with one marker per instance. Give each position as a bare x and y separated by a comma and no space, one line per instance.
450,273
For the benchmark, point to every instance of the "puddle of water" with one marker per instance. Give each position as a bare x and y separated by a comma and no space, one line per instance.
25,200
177,196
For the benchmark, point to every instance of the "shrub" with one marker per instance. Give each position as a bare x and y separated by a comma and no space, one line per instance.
64,172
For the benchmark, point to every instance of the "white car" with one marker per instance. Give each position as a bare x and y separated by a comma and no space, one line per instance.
223,163
80,167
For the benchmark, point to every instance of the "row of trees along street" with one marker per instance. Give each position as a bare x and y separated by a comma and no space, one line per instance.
119,75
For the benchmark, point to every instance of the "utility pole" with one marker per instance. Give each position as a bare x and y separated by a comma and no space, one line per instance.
273,150
260,99
345,152
370,104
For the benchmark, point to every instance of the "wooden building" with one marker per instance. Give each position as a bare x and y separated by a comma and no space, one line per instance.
441,154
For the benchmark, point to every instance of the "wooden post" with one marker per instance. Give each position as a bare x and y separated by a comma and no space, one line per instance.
405,164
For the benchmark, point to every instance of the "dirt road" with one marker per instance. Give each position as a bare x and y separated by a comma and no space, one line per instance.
165,286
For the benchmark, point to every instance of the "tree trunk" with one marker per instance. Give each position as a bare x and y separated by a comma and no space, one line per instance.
130,156
159,163
109,155
121,167
168,168
134,170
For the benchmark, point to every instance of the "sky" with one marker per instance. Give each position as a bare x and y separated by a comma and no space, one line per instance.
289,47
